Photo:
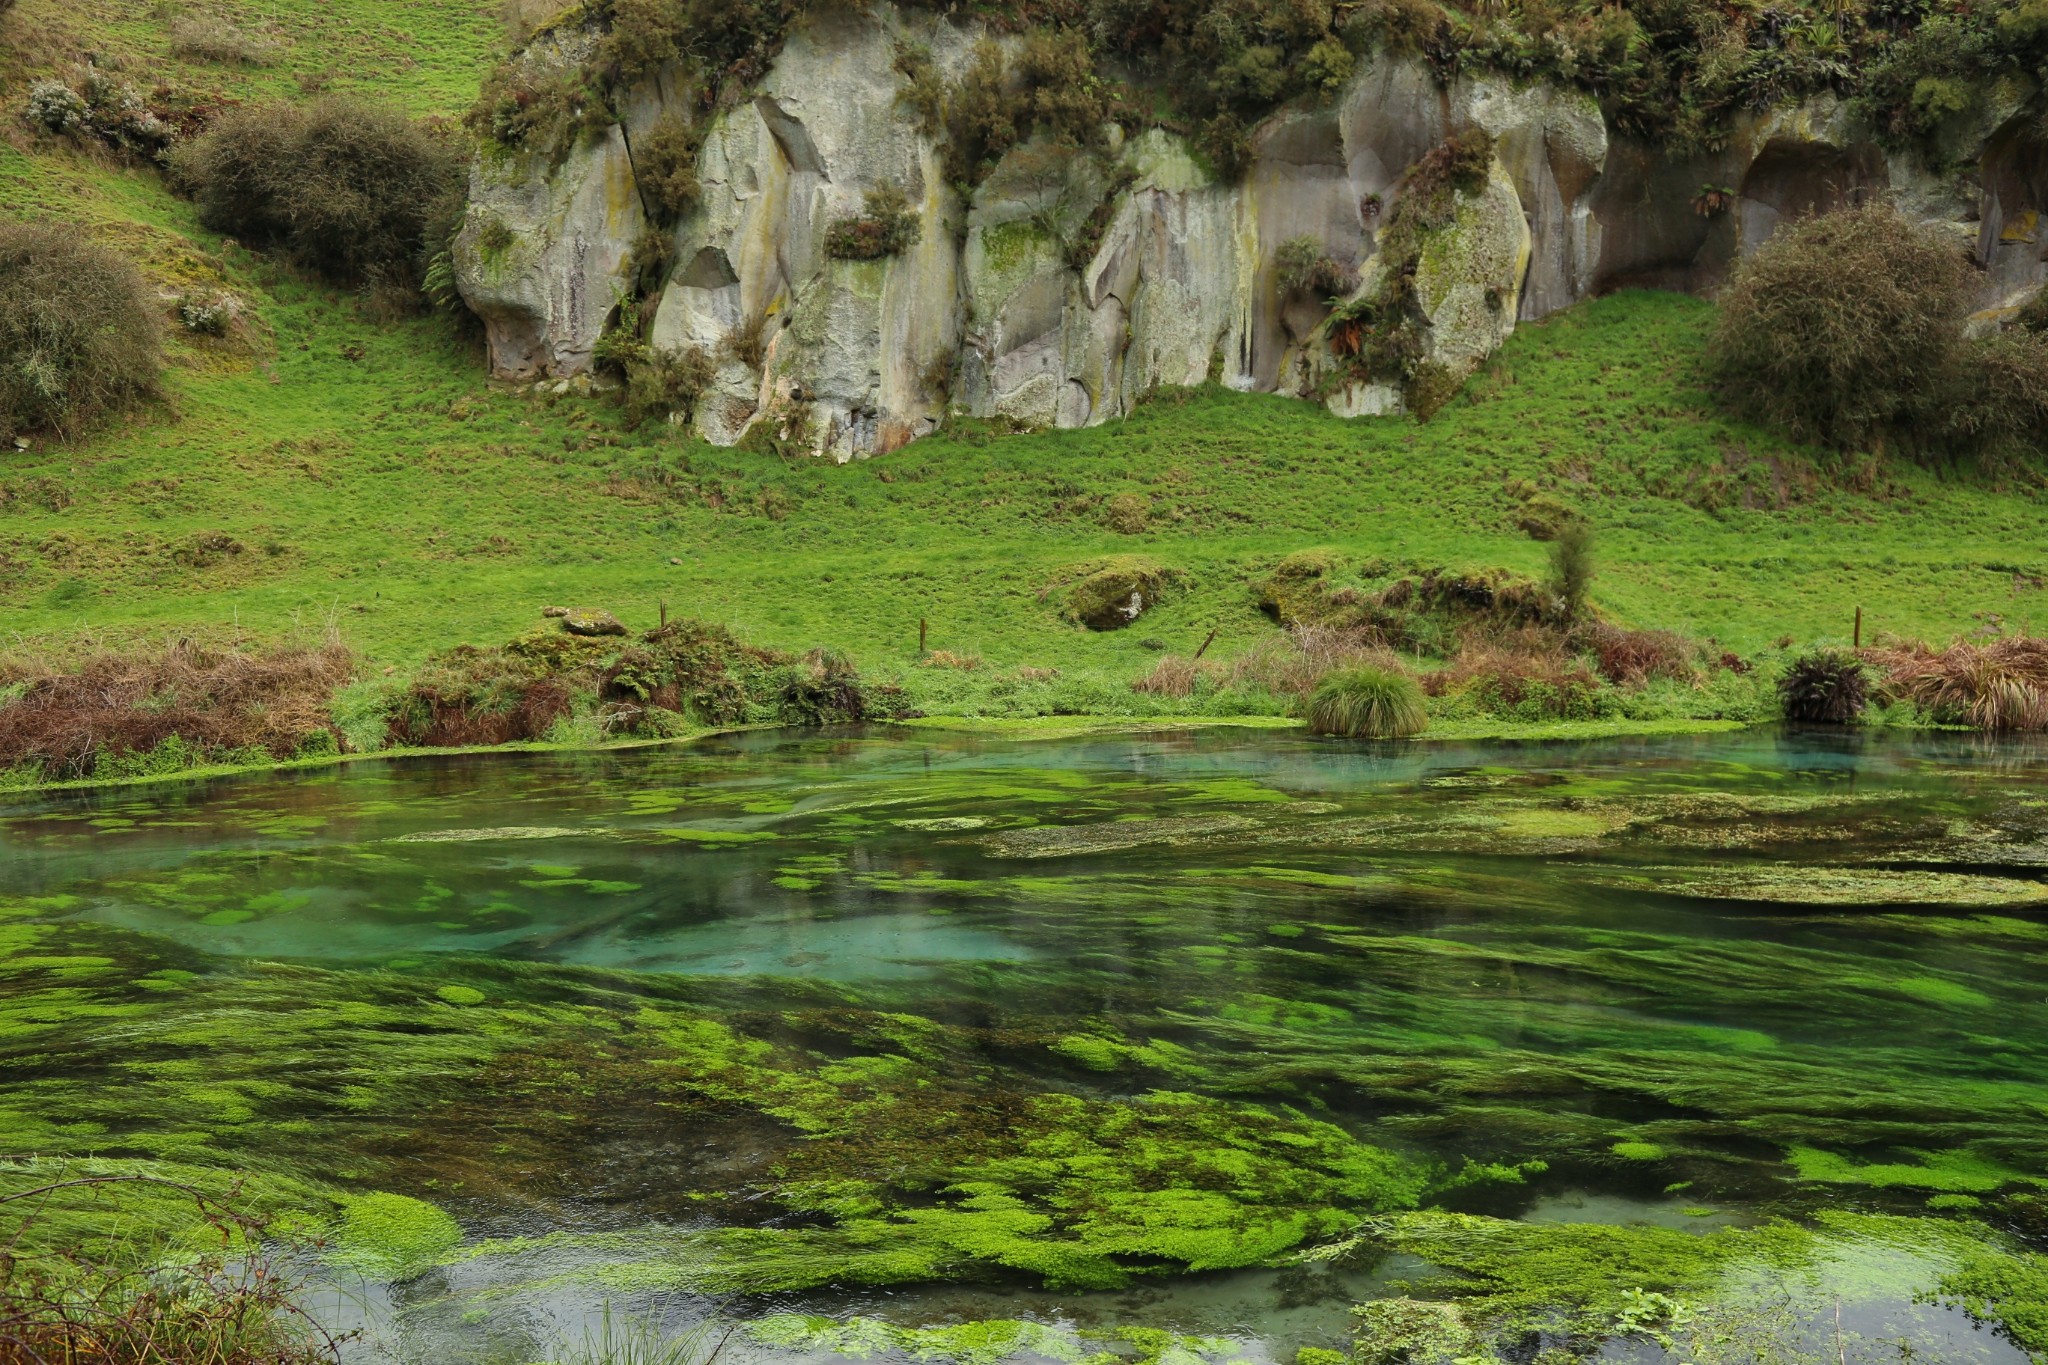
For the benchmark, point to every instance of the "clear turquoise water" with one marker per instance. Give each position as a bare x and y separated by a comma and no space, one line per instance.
1735,951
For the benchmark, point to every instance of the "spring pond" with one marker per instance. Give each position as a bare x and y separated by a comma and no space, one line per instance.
908,1045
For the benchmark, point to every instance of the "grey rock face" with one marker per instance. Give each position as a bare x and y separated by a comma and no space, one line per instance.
1023,304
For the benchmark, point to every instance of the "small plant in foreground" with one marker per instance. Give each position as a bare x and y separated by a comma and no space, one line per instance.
228,1304
1825,686
207,318
1367,703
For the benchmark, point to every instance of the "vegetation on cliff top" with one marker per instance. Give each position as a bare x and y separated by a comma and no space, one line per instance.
1669,70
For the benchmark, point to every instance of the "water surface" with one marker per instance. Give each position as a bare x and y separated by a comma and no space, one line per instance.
618,1005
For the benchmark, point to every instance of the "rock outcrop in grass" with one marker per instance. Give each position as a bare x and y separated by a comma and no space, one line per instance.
1057,255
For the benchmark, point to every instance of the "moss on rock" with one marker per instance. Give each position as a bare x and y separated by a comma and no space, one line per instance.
1112,593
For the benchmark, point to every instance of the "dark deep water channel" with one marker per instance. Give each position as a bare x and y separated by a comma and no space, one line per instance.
899,1027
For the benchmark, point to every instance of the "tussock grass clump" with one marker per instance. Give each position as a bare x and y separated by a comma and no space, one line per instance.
79,335
1630,658
119,714
2002,685
353,192
1367,703
1824,686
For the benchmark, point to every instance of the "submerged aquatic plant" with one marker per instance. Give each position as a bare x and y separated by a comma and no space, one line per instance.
619,1339
1367,703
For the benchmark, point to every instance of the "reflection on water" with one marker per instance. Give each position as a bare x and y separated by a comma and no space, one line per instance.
1694,984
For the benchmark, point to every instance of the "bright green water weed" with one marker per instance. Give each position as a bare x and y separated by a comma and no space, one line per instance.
1074,1013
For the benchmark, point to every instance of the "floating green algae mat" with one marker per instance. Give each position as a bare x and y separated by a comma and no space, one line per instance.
1168,1047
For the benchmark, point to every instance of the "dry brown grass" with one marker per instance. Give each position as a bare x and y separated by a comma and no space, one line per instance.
1176,676
1515,669
2002,685
523,17
1630,658
946,658
211,38
217,700
1292,664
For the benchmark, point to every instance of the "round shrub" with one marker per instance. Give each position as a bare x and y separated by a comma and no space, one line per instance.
79,334
1845,327
1825,686
1367,703
353,192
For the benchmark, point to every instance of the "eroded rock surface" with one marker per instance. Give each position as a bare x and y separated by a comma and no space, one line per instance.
1023,304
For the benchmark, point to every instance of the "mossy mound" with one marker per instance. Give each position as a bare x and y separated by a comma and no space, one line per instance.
1404,605
1113,593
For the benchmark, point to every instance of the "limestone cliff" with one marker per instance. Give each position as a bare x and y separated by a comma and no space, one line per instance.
1069,286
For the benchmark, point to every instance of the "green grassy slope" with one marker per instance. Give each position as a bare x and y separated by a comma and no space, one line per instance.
371,477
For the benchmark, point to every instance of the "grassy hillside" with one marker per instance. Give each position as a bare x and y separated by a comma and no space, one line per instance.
334,466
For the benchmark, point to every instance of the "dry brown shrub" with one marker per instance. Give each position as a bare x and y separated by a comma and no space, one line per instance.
1630,658
215,700
1513,671
1845,327
80,336
2002,685
1175,676
489,703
